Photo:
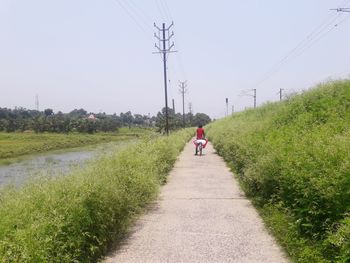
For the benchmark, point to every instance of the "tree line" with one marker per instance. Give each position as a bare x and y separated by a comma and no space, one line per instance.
79,120
178,121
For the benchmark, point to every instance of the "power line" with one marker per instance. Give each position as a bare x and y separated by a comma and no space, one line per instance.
177,64
290,54
178,55
316,34
343,9
141,19
314,41
179,60
183,90
163,17
139,14
132,16
248,93
165,13
143,14
166,9
311,44
164,36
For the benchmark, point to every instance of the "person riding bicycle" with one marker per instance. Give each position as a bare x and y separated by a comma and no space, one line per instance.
200,139
200,133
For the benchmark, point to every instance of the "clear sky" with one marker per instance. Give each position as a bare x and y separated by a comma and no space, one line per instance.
97,55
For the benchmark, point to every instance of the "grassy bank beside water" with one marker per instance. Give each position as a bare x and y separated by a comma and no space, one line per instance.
293,160
14,145
76,218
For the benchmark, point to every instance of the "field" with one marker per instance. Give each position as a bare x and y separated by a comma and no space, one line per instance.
293,160
77,218
13,145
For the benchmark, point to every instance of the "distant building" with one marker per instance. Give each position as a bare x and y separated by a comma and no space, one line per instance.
92,117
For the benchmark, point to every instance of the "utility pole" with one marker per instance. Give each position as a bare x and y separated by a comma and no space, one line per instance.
281,94
226,107
164,48
190,109
233,109
183,90
254,98
248,93
347,10
174,106
37,102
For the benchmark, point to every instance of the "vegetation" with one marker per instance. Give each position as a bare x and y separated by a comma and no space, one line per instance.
293,159
176,120
20,119
18,144
77,217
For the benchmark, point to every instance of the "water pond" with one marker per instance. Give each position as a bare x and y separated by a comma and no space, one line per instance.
54,163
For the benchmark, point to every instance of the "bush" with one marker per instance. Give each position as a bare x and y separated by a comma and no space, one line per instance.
75,218
296,153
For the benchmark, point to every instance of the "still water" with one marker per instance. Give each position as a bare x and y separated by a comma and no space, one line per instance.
54,163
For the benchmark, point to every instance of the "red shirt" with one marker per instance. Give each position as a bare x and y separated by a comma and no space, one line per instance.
200,133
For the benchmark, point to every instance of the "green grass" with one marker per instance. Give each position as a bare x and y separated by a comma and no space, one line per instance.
132,131
13,145
293,159
76,218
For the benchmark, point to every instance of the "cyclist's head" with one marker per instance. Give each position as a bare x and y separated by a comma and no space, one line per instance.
200,126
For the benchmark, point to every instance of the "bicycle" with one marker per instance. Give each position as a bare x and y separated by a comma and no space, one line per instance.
199,148
200,145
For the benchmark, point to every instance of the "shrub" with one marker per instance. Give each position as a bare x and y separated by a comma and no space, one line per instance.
296,153
75,218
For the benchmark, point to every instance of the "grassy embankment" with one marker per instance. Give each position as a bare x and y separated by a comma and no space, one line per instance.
77,217
293,159
14,145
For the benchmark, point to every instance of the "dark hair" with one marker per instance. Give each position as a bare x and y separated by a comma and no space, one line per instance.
200,126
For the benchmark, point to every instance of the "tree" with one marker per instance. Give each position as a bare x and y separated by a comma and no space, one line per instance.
138,119
81,113
200,119
38,124
21,119
48,112
127,118
3,124
174,120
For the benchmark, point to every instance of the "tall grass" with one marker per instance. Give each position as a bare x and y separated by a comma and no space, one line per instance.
293,159
76,218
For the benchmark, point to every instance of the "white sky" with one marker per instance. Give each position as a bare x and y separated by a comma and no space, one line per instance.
97,55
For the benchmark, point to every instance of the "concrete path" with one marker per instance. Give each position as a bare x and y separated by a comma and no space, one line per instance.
201,216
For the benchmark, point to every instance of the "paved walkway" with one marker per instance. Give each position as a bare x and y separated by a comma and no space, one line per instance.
201,216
